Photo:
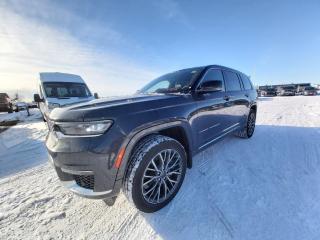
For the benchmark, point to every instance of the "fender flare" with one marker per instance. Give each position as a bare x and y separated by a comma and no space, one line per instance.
134,137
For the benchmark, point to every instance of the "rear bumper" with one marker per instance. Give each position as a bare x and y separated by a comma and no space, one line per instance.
85,165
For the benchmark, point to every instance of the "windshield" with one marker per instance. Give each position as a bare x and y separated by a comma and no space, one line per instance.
178,81
3,96
66,90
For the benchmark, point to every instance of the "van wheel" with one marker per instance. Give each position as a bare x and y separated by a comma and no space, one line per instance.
156,172
248,130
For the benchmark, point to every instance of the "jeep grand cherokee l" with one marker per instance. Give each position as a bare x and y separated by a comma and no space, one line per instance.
145,142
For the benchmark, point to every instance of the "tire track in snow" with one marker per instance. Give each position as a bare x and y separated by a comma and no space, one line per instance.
223,220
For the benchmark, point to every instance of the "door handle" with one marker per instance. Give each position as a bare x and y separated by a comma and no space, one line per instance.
227,98
247,95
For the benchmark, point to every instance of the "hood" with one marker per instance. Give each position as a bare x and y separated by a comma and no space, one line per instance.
109,108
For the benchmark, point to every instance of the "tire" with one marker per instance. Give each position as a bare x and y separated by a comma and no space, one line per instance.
10,110
148,189
248,130
17,109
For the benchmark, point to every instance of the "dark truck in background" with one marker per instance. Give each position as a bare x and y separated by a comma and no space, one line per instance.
6,104
145,142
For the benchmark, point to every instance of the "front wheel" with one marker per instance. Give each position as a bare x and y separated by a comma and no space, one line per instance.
248,130
156,172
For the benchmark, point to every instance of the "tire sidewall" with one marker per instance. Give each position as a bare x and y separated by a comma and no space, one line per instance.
137,196
247,129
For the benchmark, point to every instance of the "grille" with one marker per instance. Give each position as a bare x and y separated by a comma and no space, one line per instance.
85,181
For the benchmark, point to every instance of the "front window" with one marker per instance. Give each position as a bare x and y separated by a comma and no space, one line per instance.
66,90
178,81
3,97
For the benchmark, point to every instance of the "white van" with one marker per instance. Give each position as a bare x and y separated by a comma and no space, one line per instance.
60,89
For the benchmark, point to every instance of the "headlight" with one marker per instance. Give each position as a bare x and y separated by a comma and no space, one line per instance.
84,128
53,105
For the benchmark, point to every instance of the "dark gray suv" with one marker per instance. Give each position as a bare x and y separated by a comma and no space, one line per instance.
145,142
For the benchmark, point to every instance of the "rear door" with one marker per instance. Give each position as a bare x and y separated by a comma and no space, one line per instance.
236,99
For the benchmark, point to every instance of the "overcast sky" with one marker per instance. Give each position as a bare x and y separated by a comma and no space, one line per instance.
118,46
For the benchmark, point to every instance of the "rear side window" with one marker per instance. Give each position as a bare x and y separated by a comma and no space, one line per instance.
246,82
232,81
213,75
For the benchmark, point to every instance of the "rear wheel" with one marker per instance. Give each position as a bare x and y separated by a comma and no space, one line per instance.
156,172
248,130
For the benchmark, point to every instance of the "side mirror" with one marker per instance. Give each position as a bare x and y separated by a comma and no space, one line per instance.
210,86
96,96
37,98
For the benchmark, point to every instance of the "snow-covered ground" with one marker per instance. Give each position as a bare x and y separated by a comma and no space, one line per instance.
266,187
21,146
21,116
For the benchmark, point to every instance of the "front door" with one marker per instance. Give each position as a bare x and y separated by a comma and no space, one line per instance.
212,115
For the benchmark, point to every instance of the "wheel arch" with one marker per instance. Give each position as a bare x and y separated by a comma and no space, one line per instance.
178,130
254,107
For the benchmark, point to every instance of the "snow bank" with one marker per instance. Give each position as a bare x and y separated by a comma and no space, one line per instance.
21,115
266,187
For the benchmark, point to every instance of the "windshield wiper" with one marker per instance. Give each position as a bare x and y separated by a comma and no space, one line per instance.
173,90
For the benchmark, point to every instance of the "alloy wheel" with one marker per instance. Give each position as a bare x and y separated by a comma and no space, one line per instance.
162,176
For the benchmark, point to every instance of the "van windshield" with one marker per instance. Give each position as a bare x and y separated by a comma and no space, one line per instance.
66,90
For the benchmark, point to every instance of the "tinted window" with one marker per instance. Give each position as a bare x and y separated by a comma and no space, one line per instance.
213,75
246,82
232,81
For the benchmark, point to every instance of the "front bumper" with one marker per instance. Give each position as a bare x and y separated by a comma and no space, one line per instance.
85,165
